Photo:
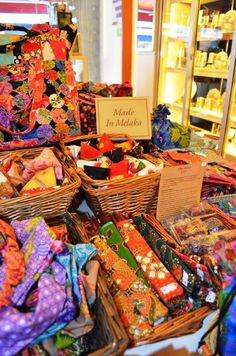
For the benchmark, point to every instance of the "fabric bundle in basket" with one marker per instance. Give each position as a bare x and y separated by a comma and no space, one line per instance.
57,303
120,281
42,183
38,93
125,192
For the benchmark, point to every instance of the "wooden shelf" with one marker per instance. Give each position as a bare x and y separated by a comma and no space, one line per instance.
203,2
181,2
210,73
206,115
175,70
202,72
214,35
177,38
210,116
208,132
175,106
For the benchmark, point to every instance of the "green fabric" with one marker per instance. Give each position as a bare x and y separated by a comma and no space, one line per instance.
116,242
63,341
172,262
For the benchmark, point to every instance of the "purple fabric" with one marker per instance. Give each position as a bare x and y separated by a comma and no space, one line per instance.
37,251
2,274
19,329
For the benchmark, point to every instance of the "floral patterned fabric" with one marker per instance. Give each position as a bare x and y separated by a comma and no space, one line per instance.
38,95
167,134
156,273
12,265
116,242
172,262
138,306
45,295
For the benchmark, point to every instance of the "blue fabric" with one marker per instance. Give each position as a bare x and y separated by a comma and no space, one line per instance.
167,134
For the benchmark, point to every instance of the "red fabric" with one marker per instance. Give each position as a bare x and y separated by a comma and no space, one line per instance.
88,152
119,169
105,144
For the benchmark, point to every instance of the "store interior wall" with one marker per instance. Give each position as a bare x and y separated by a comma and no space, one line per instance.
88,15
110,43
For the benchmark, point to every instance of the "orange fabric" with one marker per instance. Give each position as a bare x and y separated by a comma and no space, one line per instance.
105,144
14,261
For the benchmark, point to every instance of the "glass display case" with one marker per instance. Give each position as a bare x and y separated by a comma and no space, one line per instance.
196,62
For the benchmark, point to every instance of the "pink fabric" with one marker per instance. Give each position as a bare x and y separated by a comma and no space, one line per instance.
46,159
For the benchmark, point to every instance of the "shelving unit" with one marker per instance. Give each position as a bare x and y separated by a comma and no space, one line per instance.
210,73
188,54
202,72
214,35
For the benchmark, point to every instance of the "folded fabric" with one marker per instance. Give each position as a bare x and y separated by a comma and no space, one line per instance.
84,323
74,151
116,242
105,144
6,188
61,232
13,169
149,168
206,288
37,241
89,152
46,159
83,162
186,157
115,155
142,303
125,146
172,262
154,270
19,329
103,162
119,170
42,179
135,164
74,260
67,271
98,173
12,266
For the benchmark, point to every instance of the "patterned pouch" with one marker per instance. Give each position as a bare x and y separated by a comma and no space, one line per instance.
38,93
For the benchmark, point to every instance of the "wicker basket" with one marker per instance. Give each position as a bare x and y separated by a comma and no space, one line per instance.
128,195
48,203
108,337
182,325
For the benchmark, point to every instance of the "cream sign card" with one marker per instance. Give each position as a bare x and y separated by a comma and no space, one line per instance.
180,186
124,115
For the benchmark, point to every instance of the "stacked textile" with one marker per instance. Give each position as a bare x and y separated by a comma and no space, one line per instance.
105,159
149,279
20,176
219,178
45,293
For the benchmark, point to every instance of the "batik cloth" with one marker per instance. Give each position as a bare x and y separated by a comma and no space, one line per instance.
67,270
37,240
154,270
12,265
172,262
19,329
116,242
138,306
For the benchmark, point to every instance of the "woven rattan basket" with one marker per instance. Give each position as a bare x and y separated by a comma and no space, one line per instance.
47,204
128,195
108,336
182,325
